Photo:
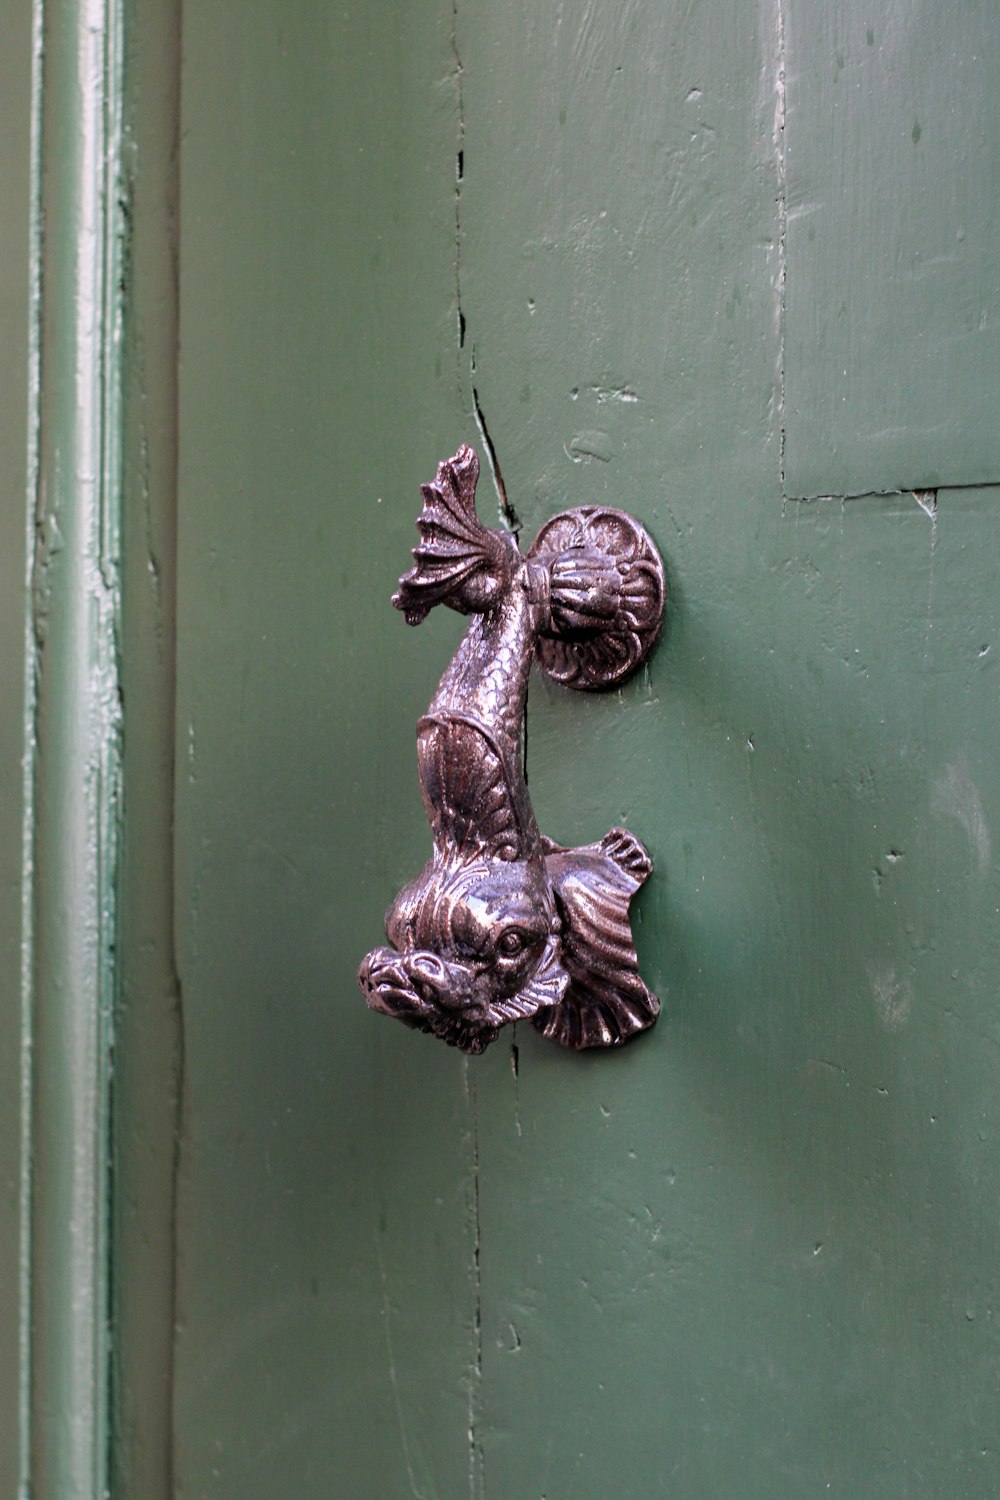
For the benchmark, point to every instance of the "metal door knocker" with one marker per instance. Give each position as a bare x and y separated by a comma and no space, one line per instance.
503,924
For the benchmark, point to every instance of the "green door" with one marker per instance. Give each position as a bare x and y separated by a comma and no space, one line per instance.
735,269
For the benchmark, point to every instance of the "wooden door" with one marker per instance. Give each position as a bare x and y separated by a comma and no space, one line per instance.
735,269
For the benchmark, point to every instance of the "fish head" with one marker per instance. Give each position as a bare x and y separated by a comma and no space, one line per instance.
474,944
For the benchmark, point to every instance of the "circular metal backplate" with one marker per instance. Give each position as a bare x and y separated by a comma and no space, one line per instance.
602,656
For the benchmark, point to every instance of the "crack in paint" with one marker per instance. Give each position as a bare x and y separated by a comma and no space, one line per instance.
477,1467
459,176
927,499
507,512
416,1492
515,1069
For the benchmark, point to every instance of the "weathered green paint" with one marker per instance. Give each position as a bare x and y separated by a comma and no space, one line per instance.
15,286
892,135
326,1300
775,1268
148,1038
754,1254
86,904
73,738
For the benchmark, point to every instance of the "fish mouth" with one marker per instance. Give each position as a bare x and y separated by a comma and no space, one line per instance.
427,994
386,984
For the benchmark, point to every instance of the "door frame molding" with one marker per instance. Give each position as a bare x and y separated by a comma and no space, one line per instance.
101,1000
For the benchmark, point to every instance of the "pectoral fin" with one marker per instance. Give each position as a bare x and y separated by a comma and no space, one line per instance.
606,1002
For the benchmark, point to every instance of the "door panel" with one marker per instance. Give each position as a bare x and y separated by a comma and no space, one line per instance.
326,1285
892,329
754,1253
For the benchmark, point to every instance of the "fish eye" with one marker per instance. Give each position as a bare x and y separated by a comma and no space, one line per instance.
511,943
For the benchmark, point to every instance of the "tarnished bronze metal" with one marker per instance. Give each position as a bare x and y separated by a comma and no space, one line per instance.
502,924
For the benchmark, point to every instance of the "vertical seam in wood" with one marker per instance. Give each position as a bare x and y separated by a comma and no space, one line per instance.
508,515
477,1457
147,1087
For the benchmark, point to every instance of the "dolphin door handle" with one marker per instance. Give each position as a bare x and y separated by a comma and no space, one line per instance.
503,924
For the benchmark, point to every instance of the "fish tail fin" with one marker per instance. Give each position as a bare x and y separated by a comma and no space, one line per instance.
606,1001
458,561
629,854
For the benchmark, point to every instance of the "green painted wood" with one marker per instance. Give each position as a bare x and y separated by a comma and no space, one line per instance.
758,1256
74,738
89,1272
892,329
633,322
15,290
753,1254
148,1036
326,1299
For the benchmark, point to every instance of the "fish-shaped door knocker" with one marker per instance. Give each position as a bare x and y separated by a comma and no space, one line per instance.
503,924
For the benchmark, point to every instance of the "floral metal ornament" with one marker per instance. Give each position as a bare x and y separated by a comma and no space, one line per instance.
503,924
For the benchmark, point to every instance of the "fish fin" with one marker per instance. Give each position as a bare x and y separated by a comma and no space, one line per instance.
458,561
606,1001
629,854
472,1037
